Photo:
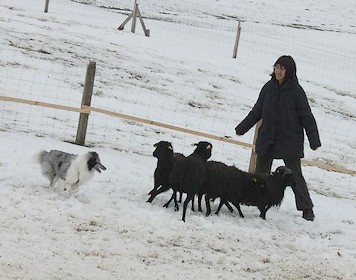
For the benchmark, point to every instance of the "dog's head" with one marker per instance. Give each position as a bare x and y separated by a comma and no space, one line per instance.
94,162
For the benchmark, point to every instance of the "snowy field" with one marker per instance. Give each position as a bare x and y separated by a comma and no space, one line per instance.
183,75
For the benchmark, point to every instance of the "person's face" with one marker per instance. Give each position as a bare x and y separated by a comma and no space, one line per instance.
279,72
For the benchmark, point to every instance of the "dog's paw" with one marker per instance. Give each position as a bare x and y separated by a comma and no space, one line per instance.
82,198
58,189
64,195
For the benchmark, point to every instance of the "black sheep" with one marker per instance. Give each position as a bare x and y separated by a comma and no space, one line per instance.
268,189
220,182
165,160
239,187
188,175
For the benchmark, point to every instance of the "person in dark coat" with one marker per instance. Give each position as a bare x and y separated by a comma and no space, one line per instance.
285,113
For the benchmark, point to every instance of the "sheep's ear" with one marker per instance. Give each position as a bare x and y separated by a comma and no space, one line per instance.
195,144
170,147
155,145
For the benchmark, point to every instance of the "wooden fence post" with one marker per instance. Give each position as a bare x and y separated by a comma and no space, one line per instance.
86,100
134,17
237,41
46,6
253,158
135,13
145,30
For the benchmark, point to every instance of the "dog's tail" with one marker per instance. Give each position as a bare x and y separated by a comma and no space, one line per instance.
39,157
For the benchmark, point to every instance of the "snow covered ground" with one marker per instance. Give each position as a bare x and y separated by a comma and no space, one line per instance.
183,75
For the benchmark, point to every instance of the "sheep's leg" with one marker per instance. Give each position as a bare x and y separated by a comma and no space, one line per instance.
200,197
222,201
264,211
176,207
155,187
263,214
180,197
155,192
185,204
169,201
193,203
237,205
207,203
229,206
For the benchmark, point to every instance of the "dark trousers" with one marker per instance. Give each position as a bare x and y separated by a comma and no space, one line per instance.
299,186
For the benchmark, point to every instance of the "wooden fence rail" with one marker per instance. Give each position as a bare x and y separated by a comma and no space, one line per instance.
88,109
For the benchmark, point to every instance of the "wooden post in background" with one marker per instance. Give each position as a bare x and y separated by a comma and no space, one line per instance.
135,13
145,30
253,158
237,41
46,6
86,101
134,17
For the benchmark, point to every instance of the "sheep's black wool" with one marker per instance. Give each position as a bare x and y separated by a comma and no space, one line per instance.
221,182
165,161
268,190
239,187
188,174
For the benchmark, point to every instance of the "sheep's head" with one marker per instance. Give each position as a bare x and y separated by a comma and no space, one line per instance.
277,183
283,171
163,148
203,149
284,174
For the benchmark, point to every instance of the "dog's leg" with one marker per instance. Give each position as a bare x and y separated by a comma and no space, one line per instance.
61,184
53,181
74,188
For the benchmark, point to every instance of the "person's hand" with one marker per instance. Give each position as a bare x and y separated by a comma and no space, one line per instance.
315,146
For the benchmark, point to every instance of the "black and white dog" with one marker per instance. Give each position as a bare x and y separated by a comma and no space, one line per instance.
68,169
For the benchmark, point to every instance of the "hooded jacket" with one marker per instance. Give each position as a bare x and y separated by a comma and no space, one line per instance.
285,114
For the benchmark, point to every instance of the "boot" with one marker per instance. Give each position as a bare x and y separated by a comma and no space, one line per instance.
308,215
